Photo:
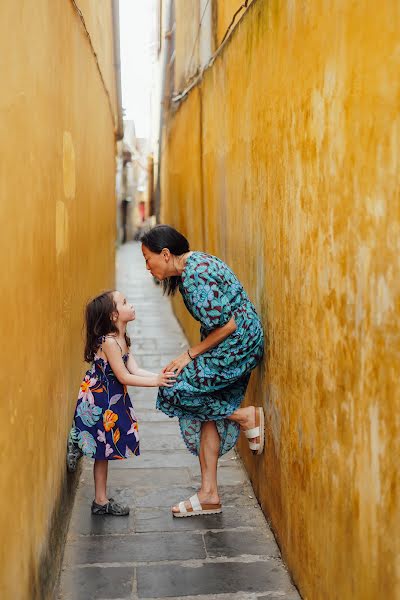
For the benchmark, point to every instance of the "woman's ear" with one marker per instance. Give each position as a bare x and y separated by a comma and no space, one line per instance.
166,254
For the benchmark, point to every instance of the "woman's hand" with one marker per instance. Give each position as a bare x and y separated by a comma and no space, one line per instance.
178,364
166,379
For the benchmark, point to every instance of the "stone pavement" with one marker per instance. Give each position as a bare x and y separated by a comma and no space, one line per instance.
231,556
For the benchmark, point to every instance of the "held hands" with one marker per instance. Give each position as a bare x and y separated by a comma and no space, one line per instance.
166,379
178,364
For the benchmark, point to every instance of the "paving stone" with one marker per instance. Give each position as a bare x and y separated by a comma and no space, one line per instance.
164,497
150,478
226,476
230,596
237,543
162,442
146,394
88,583
139,547
162,581
162,520
84,523
140,403
151,415
280,596
237,495
175,458
153,430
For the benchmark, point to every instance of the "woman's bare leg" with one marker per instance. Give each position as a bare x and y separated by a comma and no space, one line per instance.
100,471
208,457
209,452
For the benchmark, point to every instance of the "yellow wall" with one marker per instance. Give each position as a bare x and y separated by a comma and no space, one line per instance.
300,180
97,15
224,11
57,213
185,201
186,41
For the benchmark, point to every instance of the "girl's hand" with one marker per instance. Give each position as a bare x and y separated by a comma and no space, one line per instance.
178,364
166,379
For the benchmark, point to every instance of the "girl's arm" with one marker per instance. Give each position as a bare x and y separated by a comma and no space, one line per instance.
134,368
218,335
113,355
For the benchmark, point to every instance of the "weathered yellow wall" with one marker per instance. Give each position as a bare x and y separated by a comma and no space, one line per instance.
185,202
57,213
301,196
97,15
224,11
186,41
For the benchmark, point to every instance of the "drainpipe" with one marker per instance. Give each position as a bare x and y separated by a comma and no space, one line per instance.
119,126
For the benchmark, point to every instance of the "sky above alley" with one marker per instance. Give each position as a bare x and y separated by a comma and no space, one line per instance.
137,21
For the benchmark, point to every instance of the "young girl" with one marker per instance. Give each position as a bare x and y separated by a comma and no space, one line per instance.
105,425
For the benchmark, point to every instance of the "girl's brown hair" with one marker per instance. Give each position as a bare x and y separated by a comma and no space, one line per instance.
98,322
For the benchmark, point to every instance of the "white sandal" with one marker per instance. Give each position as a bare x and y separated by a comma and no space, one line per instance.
257,431
196,508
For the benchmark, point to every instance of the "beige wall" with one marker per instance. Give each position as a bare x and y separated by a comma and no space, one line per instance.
299,183
57,213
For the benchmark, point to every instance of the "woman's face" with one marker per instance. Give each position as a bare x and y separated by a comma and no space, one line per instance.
157,264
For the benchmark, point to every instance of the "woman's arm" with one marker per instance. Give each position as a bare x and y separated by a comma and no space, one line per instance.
218,335
113,355
214,338
134,368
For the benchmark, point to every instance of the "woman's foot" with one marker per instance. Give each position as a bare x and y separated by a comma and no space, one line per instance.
204,499
251,421
246,417
196,507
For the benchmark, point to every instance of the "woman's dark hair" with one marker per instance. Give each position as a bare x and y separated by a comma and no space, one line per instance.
98,323
164,236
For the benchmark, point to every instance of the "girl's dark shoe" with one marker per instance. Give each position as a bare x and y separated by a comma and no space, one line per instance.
111,508
73,455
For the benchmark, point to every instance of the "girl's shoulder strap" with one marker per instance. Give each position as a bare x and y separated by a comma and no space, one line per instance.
111,337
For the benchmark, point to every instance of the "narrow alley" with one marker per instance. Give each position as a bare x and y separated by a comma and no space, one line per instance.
150,554
254,147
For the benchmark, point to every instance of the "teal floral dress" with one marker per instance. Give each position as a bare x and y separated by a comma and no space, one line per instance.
105,425
213,385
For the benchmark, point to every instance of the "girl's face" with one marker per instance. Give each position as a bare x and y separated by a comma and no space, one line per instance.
157,264
126,312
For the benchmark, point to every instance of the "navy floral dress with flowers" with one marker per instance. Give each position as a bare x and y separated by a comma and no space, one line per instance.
213,385
105,425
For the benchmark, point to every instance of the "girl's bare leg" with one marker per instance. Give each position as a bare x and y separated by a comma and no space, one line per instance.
100,471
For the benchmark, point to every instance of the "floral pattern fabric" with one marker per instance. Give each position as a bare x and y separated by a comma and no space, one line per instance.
105,425
213,385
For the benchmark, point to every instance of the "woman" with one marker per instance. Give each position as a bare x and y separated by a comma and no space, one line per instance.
212,376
